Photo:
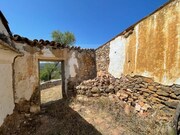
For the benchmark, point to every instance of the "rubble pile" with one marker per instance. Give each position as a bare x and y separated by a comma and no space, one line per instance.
138,91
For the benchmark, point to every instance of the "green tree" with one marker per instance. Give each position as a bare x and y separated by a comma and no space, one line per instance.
50,71
66,38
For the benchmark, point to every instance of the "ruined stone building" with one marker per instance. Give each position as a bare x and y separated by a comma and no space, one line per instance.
150,48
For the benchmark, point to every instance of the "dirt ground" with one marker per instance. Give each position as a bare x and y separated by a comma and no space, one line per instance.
51,94
93,116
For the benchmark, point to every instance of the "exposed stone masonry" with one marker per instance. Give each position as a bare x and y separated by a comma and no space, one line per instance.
133,90
102,57
88,71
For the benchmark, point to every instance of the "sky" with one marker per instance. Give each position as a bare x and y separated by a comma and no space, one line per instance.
93,22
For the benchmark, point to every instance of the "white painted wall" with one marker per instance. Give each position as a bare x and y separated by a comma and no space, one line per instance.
117,56
6,83
6,91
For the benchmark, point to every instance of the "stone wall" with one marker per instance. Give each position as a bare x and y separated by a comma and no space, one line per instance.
133,90
49,84
149,48
85,70
102,58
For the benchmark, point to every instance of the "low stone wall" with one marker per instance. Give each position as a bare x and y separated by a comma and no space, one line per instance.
138,91
50,84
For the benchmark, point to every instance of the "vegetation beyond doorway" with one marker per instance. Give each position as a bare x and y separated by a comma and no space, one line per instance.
50,70
50,75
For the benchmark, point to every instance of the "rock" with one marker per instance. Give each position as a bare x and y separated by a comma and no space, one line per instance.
166,89
96,95
148,80
118,94
150,87
137,107
171,104
123,96
156,84
145,94
145,90
130,99
144,85
111,87
173,95
155,100
162,93
136,94
145,107
155,95
141,103
141,98
95,90
139,80
177,91
137,86
81,92
134,98
178,97
35,109
130,86
163,98
116,89
88,93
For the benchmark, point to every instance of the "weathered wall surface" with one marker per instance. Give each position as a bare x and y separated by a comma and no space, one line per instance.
150,48
78,65
6,82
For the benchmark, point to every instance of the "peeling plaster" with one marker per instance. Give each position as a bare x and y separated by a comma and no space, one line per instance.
72,64
47,53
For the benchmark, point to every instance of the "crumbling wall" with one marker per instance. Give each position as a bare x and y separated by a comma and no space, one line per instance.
150,48
78,65
83,67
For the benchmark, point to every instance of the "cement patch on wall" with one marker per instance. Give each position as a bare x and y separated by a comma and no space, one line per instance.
117,56
73,65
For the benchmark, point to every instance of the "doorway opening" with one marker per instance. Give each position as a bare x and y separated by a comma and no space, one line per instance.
51,81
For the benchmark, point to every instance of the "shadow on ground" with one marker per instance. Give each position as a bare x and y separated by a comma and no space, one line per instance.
56,118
